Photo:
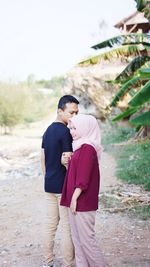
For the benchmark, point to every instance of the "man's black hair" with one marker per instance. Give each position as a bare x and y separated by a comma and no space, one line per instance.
66,99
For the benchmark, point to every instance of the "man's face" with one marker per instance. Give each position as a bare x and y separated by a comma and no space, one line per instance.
70,110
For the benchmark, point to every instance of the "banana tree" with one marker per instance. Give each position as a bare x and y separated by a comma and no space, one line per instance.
140,101
132,44
140,96
133,84
135,77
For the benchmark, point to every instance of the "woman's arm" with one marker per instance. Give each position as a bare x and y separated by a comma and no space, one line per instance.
43,161
75,196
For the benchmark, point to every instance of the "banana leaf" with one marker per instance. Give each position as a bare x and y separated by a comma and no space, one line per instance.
141,120
124,89
132,92
144,6
144,73
142,96
125,51
132,67
125,114
124,39
140,4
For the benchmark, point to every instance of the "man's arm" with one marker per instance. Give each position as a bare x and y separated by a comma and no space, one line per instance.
66,148
43,161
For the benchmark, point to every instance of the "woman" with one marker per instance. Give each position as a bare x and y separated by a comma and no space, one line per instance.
81,189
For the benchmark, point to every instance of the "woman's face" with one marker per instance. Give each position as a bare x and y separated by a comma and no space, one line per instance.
73,131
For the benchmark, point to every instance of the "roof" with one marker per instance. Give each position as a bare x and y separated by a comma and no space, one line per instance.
135,18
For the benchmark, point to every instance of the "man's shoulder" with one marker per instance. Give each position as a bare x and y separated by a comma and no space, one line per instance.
57,127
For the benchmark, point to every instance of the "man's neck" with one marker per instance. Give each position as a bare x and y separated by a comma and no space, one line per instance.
59,120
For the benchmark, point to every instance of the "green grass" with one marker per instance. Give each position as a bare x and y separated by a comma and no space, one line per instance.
115,134
133,160
133,163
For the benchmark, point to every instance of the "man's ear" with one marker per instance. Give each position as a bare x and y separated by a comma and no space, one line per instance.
59,111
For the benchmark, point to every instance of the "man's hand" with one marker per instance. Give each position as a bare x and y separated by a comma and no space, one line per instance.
65,158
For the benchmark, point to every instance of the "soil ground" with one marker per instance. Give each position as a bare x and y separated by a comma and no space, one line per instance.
124,240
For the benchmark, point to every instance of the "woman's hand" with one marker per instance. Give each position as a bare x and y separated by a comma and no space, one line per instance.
73,205
65,158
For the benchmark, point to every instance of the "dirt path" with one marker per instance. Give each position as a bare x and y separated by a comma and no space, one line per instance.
123,240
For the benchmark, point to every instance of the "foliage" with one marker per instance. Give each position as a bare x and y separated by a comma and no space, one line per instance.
131,68
132,158
139,100
134,44
142,96
124,39
124,90
142,119
144,6
127,78
54,83
133,163
12,105
125,51
115,134
19,103
133,76
125,114
37,105
135,82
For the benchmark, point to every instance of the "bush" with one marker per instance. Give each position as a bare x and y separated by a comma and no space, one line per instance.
12,105
19,103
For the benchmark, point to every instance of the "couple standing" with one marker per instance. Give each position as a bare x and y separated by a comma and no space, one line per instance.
72,195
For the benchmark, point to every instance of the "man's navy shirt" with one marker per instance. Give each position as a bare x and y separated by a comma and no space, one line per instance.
56,140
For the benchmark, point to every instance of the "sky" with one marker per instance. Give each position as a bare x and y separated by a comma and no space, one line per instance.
48,38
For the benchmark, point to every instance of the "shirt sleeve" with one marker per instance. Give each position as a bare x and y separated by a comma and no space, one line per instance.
66,141
85,166
43,143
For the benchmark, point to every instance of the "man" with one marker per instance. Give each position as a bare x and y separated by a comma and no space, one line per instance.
56,141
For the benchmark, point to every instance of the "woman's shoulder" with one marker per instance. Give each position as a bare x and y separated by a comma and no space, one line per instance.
88,148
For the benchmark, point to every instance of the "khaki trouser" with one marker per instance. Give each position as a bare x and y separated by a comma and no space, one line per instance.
56,213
